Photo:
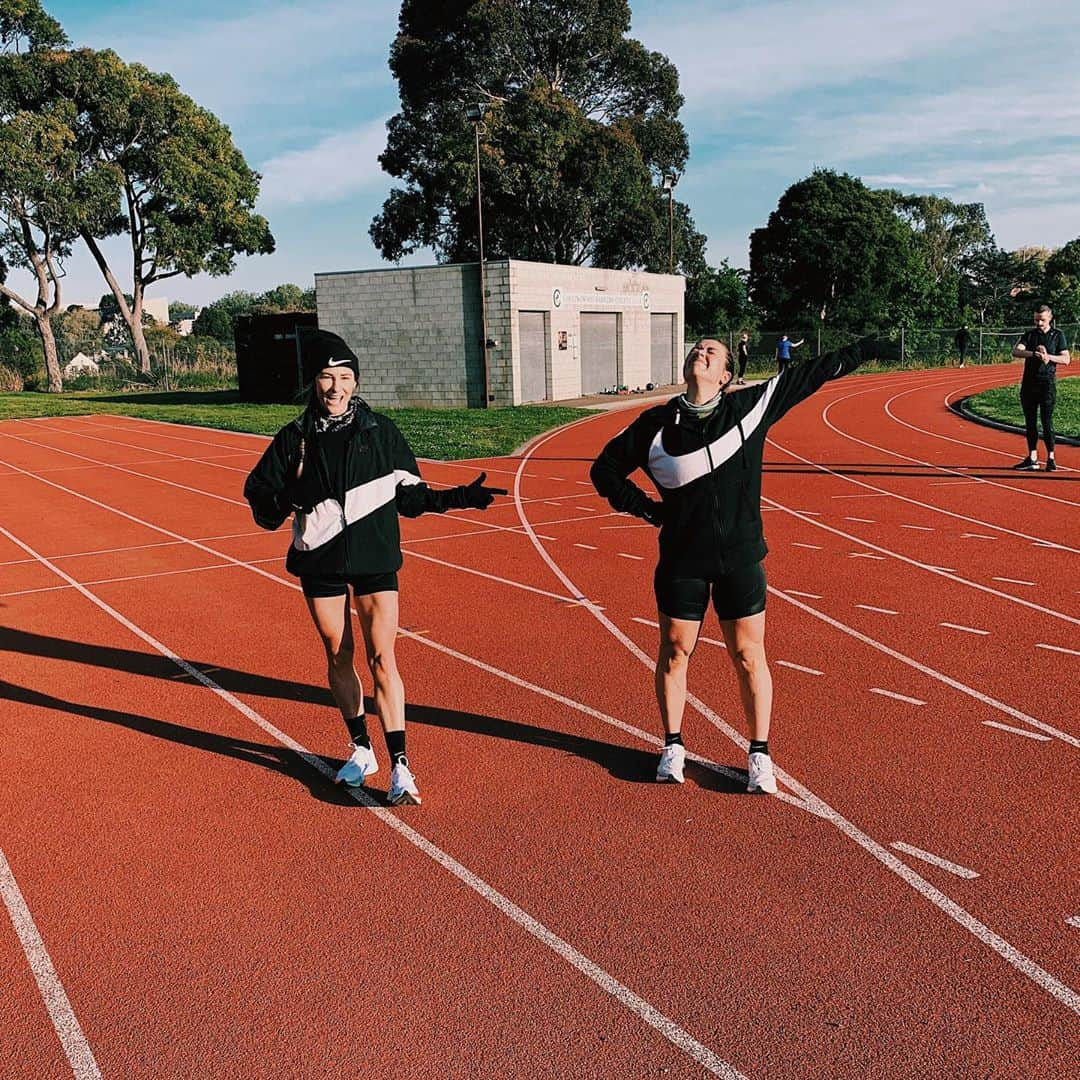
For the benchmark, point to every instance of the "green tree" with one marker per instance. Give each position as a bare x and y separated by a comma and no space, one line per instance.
109,309
991,282
180,309
78,330
186,195
45,196
835,251
949,236
287,297
1061,282
580,126
216,320
716,300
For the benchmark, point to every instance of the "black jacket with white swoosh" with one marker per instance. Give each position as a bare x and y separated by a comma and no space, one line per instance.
352,530
709,475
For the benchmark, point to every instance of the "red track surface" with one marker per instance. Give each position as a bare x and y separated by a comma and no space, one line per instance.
211,905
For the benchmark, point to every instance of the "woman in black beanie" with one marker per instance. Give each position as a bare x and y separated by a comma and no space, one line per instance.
345,473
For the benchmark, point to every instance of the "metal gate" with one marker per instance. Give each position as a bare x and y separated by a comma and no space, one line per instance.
532,341
599,351
662,368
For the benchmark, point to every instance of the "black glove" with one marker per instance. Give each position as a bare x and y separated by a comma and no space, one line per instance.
298,493
473,496
653,513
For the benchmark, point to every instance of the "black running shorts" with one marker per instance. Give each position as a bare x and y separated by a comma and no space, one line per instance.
338,585
734,596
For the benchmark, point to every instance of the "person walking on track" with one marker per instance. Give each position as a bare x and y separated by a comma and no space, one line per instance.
345,473
963,340
743,352
703,453
783,351
1042,349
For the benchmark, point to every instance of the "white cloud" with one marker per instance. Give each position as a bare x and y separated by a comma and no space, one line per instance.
750,53
339,165
278,55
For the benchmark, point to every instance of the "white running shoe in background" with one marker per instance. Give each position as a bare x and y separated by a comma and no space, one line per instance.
403,790
672,761
358,768
760,774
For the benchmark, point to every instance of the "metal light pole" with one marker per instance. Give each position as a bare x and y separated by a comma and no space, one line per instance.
475,113
670,180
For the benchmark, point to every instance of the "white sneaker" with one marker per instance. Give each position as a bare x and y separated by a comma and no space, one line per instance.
403,790
760,774
358,768
672,760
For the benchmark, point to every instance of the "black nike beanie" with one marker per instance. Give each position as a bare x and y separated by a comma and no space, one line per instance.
321,349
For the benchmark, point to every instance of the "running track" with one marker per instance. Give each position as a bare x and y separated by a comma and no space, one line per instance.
185,893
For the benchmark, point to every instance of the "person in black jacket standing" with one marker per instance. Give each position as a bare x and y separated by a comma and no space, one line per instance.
345,473
1042,348
703,452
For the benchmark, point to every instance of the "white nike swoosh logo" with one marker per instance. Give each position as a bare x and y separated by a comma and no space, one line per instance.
336,363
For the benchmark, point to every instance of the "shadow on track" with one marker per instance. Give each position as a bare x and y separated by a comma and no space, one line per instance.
627,764
270,756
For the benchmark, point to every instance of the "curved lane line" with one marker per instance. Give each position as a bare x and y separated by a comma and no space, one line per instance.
1022,963
608,983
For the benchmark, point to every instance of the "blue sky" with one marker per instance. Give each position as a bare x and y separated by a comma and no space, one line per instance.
969,98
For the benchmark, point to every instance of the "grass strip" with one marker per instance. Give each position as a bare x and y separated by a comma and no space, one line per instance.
1003,404
442,434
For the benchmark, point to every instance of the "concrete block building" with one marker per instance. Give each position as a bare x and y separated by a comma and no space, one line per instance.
554,332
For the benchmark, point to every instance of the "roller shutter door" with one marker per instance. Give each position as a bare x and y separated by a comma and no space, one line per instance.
662,368
532,340
599,351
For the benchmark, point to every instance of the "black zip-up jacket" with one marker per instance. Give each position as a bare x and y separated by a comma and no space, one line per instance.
709,475
352,530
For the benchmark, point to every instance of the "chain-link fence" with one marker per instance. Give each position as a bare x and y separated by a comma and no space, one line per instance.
936,346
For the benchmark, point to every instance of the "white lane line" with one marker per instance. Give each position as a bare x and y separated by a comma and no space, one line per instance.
1017,731
950,570
920,528
815,805
76,1048
606,528
646,622
712,641
799,667
865,521
866,555
543,537
976,536
934,860
879,610
146,577
1013,581
808,595
950,483
587,547
905,499
924,669
873,495
491,577
548,502
587,509
897,697
621,993
1047,544
809,547
965,629
583,483
624,555
811,513
1057,648
556,477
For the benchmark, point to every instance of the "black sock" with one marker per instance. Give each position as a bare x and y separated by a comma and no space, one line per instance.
674,739
759,746
358,731
395,744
